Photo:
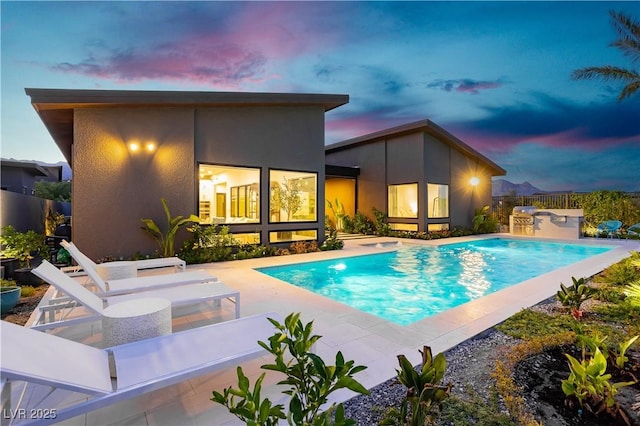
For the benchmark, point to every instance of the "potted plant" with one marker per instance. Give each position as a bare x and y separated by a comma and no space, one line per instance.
24,246
9,295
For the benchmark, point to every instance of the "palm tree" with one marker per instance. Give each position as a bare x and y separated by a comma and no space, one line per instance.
629,42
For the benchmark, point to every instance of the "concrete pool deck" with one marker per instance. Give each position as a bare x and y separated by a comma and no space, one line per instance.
367,339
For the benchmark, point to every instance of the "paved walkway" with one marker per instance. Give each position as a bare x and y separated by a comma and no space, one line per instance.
367,339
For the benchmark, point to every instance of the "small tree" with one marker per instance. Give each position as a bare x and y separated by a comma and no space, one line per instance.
286,196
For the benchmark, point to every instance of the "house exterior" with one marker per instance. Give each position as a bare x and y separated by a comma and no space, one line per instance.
230,158
21,176
422,176
255,162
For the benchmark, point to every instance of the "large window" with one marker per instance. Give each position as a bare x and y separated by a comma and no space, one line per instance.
229,194
293,196
298,235
438,200
403,200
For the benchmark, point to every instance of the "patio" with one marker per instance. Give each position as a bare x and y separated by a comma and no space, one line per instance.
368,340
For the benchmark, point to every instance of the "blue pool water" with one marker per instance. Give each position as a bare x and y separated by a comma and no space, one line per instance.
416,282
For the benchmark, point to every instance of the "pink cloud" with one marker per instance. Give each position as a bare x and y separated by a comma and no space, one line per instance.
228,55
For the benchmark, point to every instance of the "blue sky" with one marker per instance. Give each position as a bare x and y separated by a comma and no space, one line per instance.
495,74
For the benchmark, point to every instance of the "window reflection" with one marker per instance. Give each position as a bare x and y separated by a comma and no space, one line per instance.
403,200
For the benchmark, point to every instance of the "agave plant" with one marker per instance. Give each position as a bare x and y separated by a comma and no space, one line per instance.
166,239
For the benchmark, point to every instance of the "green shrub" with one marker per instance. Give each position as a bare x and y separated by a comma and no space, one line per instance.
308,379
332,242
623,272
209,244
600,206
24,246
300,247
484,222
27,291
362,224
381,226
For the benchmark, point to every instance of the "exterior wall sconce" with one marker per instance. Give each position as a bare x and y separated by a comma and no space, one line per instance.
135,147
474,181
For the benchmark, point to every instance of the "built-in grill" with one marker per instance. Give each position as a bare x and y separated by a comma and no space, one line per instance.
523,220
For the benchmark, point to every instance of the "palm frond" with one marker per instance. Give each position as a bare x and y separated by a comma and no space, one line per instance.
628,35
606,73
629,89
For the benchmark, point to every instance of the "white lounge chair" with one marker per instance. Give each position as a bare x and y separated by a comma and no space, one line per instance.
137,284
161,262
178,296
141,366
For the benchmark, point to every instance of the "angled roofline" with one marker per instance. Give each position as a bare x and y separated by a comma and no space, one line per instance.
56,106
427,126
34,168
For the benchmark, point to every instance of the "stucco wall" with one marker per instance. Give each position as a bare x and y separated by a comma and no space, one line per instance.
114,188
284,138
372,186
417,157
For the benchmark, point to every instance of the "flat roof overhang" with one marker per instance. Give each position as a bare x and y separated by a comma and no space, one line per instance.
56,106
341,171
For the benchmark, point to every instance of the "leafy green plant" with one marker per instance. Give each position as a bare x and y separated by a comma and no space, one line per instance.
632,291
622,272
380,223
620,356
600,206
308,379
27,291
588,384
484,222
338,213
166,238
424,390
573,296
362,224
23,246
7,283
208,244
332,242
52,220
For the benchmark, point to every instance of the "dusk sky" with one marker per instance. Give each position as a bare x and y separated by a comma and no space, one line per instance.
495,74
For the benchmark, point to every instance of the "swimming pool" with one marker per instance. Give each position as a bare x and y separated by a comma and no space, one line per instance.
418,281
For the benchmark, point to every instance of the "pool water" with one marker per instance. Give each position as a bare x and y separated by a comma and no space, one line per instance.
416,282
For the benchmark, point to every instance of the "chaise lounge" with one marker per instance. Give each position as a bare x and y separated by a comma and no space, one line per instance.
178,296
137,284
141,366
